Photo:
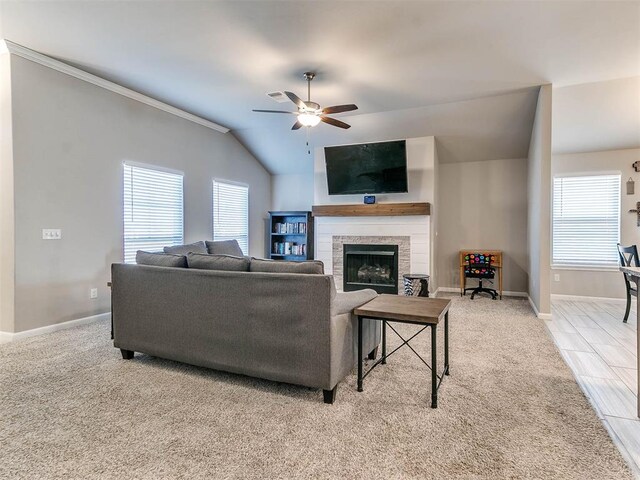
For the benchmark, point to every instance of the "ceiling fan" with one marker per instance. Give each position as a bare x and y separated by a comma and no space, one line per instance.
309,113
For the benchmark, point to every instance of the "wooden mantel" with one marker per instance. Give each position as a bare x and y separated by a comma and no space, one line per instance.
376,209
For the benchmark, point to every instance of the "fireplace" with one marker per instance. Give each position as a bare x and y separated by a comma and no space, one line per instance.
370,266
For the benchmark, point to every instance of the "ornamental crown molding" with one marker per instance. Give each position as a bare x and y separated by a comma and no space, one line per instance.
62,67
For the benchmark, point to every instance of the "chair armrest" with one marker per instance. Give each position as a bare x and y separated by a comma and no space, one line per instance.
345,302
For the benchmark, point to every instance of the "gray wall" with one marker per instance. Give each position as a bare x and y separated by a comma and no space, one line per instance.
539,205
598,282
6,199
292,192
70,139
434,281
483,205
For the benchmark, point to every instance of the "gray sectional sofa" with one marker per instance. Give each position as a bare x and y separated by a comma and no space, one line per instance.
285,327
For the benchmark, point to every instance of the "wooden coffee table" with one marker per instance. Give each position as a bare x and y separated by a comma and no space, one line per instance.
423,311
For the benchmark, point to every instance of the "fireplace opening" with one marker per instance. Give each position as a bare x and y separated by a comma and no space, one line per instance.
370,266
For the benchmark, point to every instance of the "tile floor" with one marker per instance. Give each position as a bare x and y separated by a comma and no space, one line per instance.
601,351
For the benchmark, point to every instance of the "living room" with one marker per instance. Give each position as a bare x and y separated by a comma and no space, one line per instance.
495,103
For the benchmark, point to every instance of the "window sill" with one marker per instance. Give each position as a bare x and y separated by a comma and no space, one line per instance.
591,268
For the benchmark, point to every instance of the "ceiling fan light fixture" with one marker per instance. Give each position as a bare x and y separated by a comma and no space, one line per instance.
310,113
309,119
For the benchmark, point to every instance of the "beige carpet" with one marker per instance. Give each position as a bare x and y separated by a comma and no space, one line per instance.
70,407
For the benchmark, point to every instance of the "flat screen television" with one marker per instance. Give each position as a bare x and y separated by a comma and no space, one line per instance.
367,168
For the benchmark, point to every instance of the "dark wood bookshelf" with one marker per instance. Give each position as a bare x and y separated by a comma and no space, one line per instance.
291,234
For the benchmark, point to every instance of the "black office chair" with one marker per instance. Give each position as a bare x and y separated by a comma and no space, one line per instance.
479,266
629,258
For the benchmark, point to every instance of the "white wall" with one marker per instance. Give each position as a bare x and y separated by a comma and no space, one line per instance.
539,206
483,205
70,139
596,282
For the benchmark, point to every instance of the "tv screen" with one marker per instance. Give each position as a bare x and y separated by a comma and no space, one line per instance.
367,168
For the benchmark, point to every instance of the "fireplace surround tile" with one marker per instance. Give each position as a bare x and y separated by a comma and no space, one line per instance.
404,253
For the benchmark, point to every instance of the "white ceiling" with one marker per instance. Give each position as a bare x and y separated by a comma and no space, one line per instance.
398,61
597,116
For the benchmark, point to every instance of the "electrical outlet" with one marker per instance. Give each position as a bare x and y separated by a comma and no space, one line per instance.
93,293
51,234
556,277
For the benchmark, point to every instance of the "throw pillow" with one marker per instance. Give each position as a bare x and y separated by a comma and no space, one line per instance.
224,247
196,247
227,263
160,259
280,266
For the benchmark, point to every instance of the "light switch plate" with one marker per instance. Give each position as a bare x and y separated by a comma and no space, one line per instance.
51,234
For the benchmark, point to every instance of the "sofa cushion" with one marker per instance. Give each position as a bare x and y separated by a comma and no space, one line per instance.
160,259
280,266
224,247
196,247
228,263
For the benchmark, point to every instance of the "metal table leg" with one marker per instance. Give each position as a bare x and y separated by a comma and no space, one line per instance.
384,342
446,343
434,374
360,353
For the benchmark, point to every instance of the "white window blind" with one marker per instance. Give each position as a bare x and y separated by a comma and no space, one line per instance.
586,220
231,213
153,210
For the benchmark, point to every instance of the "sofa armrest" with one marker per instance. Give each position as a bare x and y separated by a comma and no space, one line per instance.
345,302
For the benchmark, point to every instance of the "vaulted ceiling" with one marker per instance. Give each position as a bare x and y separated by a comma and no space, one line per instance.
464,71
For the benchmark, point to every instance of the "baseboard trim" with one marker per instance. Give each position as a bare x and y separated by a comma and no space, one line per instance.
5,337
541,316
9,337
584,298
506,293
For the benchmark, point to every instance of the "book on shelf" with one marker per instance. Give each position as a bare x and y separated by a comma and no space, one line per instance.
298,228
289,248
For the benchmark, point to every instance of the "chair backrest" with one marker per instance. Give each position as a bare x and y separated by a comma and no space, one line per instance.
628,258
479,265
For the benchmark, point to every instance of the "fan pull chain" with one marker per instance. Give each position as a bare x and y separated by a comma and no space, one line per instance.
308,149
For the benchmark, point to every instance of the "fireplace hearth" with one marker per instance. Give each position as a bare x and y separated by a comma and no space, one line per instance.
370,266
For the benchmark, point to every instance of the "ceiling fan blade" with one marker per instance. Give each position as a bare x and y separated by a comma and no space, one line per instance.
340,108
275,111
334,122
296,126
295,99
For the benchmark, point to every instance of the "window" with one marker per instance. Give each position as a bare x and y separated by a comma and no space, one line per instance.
231,213
586,220
153,210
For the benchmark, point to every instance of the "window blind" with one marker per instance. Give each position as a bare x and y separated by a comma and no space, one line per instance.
231,213
586,220
153,210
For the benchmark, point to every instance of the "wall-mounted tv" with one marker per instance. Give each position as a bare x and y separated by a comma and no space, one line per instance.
367,168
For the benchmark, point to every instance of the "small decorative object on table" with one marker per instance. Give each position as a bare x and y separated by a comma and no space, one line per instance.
416,285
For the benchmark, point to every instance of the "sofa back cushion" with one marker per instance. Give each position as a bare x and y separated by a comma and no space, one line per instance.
228,263
224,247
160,259
196,247
280,266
